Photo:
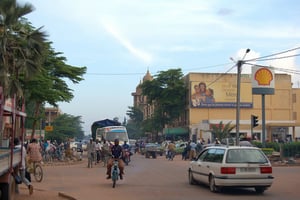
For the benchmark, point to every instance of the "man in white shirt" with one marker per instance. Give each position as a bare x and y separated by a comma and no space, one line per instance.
23,167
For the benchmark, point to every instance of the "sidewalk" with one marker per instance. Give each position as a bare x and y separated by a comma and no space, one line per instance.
42,194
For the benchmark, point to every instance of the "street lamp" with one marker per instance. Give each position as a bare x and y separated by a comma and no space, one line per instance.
238,95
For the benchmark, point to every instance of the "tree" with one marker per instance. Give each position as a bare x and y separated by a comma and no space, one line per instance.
167,92
20,47
220,131
134,125
49,86
66,126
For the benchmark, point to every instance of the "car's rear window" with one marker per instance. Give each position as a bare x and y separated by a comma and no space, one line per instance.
245,156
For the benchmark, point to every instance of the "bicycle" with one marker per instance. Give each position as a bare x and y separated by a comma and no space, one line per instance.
37,171
115,172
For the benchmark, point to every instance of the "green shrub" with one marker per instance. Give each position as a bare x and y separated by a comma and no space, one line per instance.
267,151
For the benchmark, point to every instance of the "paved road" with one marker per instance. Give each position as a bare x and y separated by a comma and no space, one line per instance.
148,179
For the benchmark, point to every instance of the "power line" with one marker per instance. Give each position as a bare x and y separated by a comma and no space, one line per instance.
115,74
279,57
220,76
293,71
272,55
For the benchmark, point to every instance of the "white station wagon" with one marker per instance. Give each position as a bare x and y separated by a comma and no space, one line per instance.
232,166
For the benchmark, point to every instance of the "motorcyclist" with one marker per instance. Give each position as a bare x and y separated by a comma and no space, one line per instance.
117,153
125,145
126,148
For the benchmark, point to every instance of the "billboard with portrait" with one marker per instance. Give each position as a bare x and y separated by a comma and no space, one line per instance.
219,95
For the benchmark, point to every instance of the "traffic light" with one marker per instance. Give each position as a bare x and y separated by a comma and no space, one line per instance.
254,121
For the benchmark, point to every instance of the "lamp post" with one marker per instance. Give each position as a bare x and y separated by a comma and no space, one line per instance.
238,96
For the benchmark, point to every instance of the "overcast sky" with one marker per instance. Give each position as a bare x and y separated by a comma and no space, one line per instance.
118,41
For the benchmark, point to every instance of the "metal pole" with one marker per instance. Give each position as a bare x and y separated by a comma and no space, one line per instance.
238,96
239,66
263,118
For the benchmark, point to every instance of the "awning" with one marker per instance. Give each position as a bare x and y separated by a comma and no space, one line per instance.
176,131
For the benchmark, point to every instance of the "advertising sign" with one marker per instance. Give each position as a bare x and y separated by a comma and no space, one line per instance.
219,94
263,80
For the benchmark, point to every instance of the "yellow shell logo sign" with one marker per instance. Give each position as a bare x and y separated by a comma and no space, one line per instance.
263,76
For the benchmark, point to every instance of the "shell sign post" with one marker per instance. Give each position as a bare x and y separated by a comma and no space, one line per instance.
263,80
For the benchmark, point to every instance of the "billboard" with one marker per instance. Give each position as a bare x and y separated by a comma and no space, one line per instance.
263,80
219,94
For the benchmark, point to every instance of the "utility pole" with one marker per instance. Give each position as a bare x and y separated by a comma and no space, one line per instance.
238,96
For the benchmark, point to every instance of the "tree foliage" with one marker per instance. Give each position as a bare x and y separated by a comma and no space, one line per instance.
20,47
222,131
28,64
167,92
65,126
134,125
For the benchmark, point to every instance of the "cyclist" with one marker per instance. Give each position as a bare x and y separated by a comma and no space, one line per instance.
117,152
34,151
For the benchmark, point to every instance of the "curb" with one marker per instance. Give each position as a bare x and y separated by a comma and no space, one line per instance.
66,196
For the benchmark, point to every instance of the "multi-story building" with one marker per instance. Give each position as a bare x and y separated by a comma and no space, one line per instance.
140,101
51,113
218,103
280,108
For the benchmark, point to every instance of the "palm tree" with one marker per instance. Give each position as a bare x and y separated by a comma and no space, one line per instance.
20,47
220,131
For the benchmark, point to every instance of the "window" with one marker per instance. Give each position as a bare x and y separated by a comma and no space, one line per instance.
294,98
214,155
245,156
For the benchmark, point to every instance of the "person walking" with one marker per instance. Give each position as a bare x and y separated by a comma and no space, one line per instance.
22,168
98,151
106,153
90,152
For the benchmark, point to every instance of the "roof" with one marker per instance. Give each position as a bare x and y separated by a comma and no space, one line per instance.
176,131
103,123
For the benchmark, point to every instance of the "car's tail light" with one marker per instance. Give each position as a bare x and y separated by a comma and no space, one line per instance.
228,170
266,170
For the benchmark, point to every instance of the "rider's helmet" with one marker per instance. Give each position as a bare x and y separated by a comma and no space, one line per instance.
116,141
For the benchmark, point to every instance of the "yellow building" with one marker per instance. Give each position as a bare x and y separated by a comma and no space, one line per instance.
218,103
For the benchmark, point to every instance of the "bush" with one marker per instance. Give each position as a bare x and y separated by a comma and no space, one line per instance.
268,151
291,149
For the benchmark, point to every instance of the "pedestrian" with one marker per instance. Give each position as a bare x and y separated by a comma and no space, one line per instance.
106,153
192,150
22,167
79,149
98,151
90,152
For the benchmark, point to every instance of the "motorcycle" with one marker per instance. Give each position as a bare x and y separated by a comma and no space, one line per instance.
115,172
126,157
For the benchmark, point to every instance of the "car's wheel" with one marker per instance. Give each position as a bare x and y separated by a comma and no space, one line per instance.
191,178
212,185
260,190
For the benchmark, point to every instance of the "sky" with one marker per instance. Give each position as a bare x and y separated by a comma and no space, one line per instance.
118,41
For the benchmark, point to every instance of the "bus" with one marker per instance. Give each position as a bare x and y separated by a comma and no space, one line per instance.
110,133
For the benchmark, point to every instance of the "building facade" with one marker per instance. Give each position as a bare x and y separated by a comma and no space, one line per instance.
51,113
140,101
212,98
